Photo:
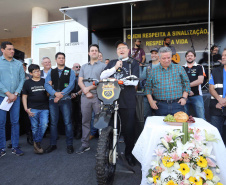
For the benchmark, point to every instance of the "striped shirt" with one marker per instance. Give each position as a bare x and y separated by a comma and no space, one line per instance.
167,84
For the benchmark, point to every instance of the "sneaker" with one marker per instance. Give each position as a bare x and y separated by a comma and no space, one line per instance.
70,149
82,149
50,148
2,152
37,148
17,151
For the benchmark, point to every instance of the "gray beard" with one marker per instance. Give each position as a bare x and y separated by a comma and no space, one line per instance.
76,72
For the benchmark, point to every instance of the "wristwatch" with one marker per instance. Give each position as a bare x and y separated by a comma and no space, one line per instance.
17,94
184,98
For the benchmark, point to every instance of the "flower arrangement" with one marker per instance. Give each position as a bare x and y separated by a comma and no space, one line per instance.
184,162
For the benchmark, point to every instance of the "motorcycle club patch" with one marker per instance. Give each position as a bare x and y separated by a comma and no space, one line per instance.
66,72
108,91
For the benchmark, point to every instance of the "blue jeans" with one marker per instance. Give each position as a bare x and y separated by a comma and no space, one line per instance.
197,104
15,127
54,109
93,130
218,122
147,108
168,108
39,123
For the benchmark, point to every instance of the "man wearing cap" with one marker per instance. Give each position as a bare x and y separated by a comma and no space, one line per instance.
137,52
167,86
119,69
153,63
11,83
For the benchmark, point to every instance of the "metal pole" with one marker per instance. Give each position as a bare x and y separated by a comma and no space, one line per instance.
209,41
64,30
131,26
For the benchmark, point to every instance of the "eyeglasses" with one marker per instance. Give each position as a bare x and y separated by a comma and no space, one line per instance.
77,66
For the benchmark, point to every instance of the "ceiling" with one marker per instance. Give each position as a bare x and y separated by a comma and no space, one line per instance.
146,13
16,15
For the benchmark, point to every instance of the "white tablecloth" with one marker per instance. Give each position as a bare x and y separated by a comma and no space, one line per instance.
155,128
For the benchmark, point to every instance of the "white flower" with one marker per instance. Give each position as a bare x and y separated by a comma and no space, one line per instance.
154,163
215,179
183,148
210,137
158,182
176,165
176,133
206,150
209,183
150,180
195,173
218,170
165,143
186,182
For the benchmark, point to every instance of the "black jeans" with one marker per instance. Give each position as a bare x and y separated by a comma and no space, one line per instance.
128,128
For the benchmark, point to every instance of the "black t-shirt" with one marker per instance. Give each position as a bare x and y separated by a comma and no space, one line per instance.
36,94
127,98
193,74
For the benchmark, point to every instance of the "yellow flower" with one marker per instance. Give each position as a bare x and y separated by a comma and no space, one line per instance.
195,181
184,169
155,178
171,183
167,162
202,162
219,183
209,174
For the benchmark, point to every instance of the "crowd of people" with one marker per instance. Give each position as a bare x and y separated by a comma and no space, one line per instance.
168,88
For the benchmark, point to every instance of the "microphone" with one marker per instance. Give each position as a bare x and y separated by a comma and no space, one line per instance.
119,58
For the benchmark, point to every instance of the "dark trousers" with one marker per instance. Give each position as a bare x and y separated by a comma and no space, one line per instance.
168,108
128,128
76,114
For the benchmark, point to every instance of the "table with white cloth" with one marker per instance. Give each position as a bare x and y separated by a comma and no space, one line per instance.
155,128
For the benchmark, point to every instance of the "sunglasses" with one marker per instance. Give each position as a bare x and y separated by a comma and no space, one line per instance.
77,66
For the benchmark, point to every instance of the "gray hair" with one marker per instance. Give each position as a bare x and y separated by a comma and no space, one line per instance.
164,50
43,58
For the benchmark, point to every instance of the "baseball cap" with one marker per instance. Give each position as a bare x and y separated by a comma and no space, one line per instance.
120,42
154,49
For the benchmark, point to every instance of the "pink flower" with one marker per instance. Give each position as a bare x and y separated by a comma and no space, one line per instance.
190,131
186,157
174,156
196,130
197,136
195,153
168,138
159,151
210,162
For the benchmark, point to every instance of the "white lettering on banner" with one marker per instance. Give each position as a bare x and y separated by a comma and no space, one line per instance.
218,85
